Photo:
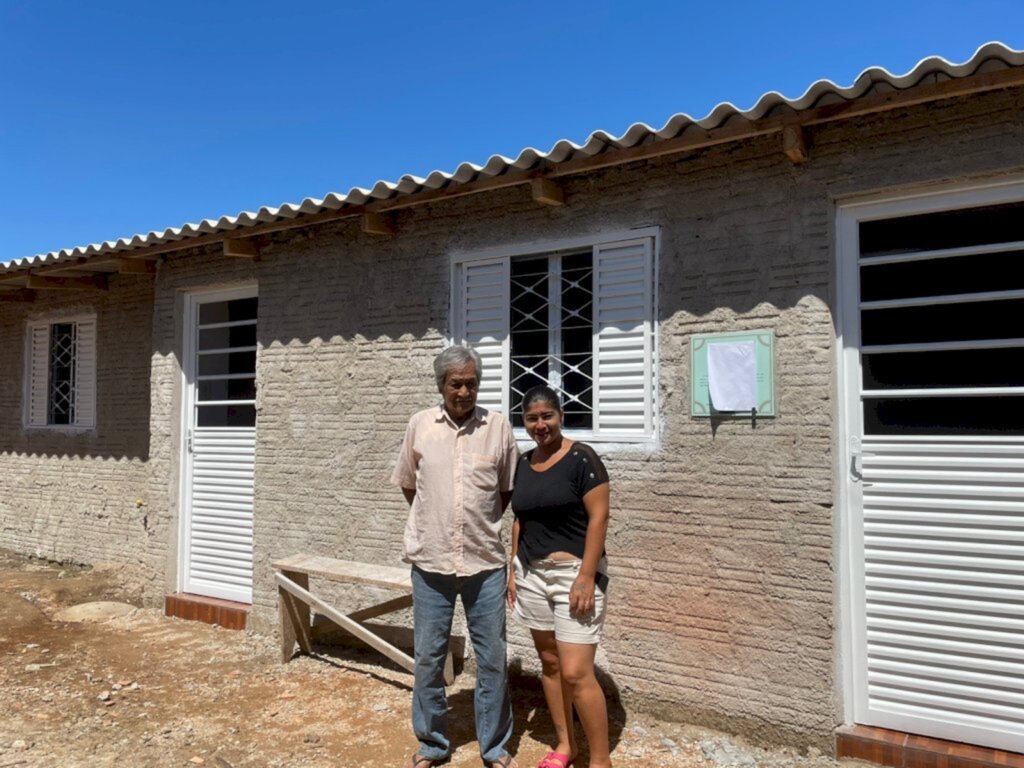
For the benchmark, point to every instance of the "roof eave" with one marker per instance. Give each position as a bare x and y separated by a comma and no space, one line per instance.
872,93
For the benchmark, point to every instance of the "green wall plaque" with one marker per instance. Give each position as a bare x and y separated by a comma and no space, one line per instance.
764,356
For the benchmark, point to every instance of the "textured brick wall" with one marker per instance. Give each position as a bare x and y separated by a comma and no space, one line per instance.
73,497
723,597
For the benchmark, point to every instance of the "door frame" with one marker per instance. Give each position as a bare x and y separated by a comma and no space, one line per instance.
849,212
193,298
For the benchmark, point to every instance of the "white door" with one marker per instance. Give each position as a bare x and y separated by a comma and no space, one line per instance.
220,444
932,333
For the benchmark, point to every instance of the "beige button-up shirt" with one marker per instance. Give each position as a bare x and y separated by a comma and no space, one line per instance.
459,473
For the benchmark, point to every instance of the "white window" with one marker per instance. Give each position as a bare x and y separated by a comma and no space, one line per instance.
577,316
60,376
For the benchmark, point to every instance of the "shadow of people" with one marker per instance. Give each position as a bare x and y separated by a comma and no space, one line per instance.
530,714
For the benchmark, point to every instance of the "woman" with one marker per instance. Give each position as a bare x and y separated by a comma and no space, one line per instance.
560,501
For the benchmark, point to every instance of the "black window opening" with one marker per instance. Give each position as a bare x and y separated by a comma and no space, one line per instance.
60,400
226,416
981,416
943,333
226,368
942,230
552,333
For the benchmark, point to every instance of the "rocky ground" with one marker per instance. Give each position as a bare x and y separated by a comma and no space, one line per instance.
142,689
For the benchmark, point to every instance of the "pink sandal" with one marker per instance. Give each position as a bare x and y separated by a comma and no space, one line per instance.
555,760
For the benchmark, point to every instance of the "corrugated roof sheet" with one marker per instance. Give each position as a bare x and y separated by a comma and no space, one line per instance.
989,57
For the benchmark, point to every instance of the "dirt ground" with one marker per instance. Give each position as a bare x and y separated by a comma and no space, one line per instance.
148,690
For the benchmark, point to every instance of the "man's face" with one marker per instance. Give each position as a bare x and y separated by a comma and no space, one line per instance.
459,391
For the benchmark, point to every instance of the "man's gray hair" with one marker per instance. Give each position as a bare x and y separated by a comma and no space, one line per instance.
456,357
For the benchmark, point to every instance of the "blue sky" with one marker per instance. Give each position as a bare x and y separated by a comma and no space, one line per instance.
125,117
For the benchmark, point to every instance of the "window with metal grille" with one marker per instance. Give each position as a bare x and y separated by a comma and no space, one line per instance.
61,373
578,317
61,396
551,322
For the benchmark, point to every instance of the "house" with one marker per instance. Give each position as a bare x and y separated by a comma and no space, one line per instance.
201,401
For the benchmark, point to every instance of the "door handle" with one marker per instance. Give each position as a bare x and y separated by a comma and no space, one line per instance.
856,460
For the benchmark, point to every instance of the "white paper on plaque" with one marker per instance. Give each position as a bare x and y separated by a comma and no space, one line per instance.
732,375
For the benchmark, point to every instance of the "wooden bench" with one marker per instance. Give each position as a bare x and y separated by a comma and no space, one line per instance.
294,600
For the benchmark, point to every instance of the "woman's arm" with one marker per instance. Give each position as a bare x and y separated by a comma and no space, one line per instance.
581,594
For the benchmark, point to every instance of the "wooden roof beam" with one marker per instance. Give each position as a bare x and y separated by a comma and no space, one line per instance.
144,267
127,264
547,192
241,247
794,144
377,224
47,283
21,295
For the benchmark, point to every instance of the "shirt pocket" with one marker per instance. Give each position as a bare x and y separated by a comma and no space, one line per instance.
484,471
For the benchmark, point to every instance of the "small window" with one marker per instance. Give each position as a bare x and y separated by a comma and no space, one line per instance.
61,373
579,319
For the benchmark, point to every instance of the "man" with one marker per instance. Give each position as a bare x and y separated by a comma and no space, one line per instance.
455,468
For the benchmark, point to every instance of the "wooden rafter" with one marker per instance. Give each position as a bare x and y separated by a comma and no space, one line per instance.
76,267
377,224
547,191
241,247
49,283
142,267
794,144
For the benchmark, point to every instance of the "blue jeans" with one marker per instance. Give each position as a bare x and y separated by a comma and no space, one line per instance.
433,605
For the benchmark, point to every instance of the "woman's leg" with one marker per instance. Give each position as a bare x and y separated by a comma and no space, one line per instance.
559,700
576,665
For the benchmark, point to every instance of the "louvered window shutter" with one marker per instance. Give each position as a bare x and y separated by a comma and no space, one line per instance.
85,374
38,373
624,339
483,312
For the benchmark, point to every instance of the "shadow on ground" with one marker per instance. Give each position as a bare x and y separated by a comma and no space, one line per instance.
529,708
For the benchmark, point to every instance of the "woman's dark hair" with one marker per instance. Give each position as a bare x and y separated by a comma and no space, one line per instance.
541,394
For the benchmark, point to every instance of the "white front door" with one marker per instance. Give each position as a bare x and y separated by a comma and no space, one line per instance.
220,444
932,334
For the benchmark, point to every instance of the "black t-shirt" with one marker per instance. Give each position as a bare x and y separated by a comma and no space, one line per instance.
549,504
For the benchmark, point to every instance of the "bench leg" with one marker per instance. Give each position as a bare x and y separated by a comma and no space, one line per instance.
295,617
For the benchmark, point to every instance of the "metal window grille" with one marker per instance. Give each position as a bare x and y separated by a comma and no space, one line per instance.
63,354
552,332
